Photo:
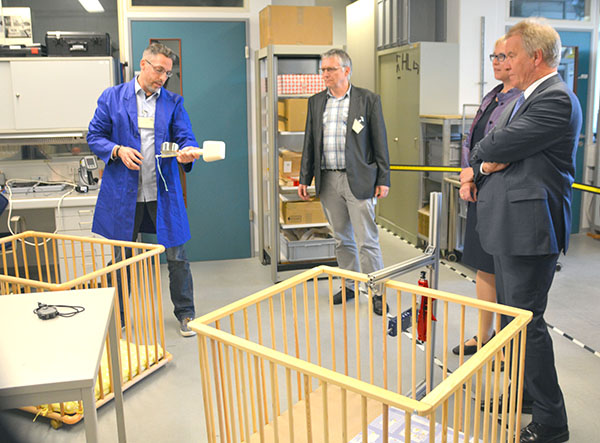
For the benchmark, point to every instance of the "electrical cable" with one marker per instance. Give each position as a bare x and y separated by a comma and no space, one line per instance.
38,182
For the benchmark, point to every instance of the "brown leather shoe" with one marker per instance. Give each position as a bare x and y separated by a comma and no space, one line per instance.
539,433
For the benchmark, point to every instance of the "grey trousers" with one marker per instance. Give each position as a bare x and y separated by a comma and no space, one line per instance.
353,222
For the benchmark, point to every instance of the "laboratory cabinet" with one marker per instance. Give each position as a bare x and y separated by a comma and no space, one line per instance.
284,72
50,94
412,80
441,142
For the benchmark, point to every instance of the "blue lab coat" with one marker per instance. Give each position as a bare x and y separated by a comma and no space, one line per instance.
115,122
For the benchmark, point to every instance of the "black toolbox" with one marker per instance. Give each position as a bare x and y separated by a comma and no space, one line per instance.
22,50
77,44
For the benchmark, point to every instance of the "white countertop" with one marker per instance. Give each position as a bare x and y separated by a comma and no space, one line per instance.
41,200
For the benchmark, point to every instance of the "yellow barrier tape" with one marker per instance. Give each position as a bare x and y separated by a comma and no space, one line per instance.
581,187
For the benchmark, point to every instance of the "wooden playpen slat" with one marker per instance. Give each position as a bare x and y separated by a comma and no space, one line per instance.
399,310
370,320
206,391
238,383
325,414
317,320
290,415
345,333
273,345
263,384
429,303
261,420
274,403
306,321
219,387
414,348
384,337
309,434
331,321
250,378
386,421
364,417
223,379
445,342
357,338
230,392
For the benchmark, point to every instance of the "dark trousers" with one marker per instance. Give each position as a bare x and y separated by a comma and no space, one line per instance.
524,282
180,276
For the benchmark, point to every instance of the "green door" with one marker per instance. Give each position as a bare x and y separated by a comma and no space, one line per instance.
213,73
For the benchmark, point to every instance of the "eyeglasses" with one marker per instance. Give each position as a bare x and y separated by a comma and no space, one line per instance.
500,57
329,70
160,70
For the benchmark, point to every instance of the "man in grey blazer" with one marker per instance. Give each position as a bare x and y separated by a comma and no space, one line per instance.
526,170
345,150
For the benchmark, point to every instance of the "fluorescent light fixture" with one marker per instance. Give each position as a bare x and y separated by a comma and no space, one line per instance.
92,5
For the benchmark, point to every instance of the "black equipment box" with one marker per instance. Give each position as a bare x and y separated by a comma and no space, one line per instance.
77,44
22,50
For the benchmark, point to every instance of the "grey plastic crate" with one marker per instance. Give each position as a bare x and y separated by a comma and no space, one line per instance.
307,249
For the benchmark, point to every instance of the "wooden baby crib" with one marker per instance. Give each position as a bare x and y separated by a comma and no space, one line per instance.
35,262
286,365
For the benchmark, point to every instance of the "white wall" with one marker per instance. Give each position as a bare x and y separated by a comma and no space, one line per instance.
464,28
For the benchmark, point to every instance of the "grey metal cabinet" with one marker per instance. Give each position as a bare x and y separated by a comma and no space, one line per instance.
410,85
272,61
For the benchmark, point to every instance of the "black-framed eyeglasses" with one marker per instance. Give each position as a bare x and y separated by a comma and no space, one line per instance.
159,70
500,57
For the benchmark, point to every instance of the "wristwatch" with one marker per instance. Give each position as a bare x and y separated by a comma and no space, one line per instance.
117,152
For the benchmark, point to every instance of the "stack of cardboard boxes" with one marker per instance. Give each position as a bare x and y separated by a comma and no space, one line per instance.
297,25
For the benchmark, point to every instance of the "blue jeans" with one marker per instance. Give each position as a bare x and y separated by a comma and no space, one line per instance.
181,285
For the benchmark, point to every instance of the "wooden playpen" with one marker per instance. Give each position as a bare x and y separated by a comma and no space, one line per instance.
286,365
35,262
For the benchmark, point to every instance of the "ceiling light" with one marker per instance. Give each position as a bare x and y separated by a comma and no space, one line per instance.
92,5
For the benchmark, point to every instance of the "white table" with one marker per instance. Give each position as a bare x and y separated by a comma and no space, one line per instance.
46,361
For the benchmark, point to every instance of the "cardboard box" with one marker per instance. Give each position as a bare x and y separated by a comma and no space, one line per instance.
289,163
295,114
300,212
423,221
296,25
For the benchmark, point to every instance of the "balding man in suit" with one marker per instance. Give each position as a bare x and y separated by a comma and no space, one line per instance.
345,150
526,170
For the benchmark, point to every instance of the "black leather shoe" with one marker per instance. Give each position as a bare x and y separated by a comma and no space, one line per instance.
470,349
337,298
526,407
378,305
539,433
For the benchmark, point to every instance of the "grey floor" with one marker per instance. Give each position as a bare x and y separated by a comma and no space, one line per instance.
167,406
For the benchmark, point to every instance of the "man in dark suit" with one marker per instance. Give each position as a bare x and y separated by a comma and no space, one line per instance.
345,150
526,169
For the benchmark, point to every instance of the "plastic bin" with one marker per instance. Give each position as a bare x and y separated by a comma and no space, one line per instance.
297,250
285,364
34,262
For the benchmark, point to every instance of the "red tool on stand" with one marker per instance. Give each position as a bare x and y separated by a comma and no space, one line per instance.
422,315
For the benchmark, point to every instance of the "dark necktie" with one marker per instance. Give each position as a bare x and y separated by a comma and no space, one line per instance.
518,104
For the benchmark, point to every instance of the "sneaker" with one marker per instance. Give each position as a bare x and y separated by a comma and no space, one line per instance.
184,328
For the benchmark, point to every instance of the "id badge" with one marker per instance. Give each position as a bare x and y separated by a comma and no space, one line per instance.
357,126
146,122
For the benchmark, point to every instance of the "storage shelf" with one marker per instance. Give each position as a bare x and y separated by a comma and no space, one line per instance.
295,188
294,95
303,225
